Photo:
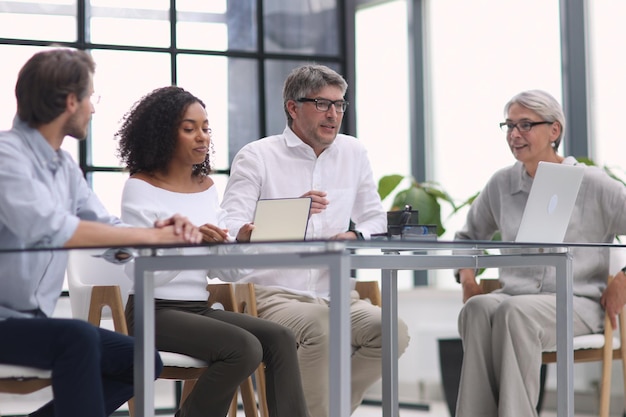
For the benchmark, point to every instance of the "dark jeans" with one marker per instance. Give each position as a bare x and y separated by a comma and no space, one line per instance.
92,368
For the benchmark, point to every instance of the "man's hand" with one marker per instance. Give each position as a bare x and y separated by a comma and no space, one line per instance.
349,235
614,297
318,201
245,232
182,227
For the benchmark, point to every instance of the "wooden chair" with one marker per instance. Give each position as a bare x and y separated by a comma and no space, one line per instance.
23,379
226,295
246,303
87,276
604,347
369,290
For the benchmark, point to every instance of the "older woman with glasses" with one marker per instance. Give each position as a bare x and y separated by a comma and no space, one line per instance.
505,332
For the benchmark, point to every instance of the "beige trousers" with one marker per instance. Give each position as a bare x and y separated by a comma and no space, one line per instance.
503,338
308,319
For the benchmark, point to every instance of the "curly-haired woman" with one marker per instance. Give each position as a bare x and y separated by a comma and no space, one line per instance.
165,143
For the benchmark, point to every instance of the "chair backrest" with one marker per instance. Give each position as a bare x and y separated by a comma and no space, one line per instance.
369,290
84,271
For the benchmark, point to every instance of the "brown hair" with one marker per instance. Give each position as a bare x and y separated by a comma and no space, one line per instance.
46,80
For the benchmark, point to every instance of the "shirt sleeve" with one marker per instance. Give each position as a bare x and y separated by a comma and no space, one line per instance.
27,206
368,214
242,190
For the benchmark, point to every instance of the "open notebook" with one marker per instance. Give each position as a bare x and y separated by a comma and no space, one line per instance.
281,219
550,203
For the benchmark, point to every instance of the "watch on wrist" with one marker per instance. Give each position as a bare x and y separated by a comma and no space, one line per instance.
359,235
624,270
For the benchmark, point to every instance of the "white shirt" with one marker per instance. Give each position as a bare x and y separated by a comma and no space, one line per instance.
143,204
284,166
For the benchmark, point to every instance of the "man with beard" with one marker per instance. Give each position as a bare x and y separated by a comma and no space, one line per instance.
46,203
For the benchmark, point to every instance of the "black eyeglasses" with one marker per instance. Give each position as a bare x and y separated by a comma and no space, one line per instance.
523,126
322,104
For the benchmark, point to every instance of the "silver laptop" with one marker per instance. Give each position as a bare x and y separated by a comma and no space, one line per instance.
281,219
550,203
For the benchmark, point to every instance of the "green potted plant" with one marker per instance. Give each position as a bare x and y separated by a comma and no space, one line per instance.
424,197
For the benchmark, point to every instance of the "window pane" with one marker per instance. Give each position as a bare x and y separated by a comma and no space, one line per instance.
391,155
216,25
52,20
608,85
228,87
474,69
387,143
121,79
220,181
276,72
115,22
70,145
108,186
301,26
13,57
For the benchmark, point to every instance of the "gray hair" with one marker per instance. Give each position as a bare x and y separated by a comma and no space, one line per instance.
544,105
309,79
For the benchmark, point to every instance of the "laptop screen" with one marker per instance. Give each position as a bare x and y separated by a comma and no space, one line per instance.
281,219
550,203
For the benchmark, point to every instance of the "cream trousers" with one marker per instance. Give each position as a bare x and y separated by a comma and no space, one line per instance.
308,318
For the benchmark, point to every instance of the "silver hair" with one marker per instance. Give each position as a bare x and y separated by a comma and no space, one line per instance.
544,105
309,79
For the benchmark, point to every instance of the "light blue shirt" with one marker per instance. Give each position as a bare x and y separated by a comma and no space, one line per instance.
44,196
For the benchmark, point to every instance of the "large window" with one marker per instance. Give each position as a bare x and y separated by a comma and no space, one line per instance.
473,69
607,82
233,54
473,65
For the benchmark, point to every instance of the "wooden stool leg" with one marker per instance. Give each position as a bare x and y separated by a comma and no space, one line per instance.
261,390
131,407
232,411
248,399
187,388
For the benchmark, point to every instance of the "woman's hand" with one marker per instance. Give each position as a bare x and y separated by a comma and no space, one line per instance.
182,227
470,289
213,234
467,278
614,297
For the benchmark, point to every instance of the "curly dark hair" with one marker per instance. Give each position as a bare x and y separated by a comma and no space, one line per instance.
149,131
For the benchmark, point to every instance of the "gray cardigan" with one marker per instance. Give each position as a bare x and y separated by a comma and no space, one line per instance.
598,216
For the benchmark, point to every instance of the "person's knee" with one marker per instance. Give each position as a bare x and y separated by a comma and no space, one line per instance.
315,329
158,364
511,312
81,335
283,336
403,337
477,309
249,352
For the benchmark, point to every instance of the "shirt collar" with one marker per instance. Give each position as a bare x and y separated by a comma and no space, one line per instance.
293,141
521,181
33,139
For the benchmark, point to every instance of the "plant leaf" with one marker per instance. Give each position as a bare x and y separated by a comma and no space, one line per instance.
426,204
387,184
